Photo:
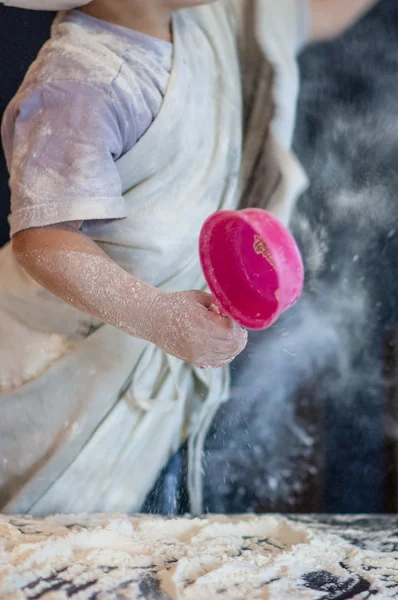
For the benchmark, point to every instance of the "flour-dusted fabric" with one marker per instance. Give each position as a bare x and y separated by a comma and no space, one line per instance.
92,93
100,113
91,429
272,176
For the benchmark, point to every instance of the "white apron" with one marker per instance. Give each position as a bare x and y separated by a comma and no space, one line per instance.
94,414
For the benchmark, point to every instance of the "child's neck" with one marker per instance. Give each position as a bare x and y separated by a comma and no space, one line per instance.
149,17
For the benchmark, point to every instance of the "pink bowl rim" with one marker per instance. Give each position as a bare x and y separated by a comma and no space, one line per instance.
245,213
236,315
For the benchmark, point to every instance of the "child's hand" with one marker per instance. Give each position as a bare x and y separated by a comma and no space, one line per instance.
76,270
186,328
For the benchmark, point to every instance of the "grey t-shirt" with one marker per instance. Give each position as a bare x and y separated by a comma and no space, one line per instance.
91,94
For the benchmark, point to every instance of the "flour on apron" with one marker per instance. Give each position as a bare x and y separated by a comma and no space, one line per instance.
93,431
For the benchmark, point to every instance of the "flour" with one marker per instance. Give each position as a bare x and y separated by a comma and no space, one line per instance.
224,557
37,355
77,271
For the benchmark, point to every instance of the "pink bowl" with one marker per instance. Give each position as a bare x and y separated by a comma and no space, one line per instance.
252,266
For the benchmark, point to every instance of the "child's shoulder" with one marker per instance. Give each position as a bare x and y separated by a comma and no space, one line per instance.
79,52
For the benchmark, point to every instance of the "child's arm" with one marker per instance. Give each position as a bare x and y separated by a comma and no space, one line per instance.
75,269
330,18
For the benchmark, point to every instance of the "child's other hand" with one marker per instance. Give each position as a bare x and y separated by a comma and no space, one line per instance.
184,327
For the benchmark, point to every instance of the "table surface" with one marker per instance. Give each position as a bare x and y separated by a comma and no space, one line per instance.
242,557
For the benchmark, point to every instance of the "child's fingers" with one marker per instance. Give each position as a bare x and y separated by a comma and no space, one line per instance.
202,298
231,348
230,332
223,325
217,363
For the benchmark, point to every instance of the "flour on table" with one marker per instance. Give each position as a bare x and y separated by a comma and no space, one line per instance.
248,557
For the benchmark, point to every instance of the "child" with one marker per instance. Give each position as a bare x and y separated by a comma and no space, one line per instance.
128,131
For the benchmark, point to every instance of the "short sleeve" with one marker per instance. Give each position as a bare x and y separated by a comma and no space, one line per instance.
61,145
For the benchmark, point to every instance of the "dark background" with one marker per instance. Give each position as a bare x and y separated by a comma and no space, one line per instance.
22,34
